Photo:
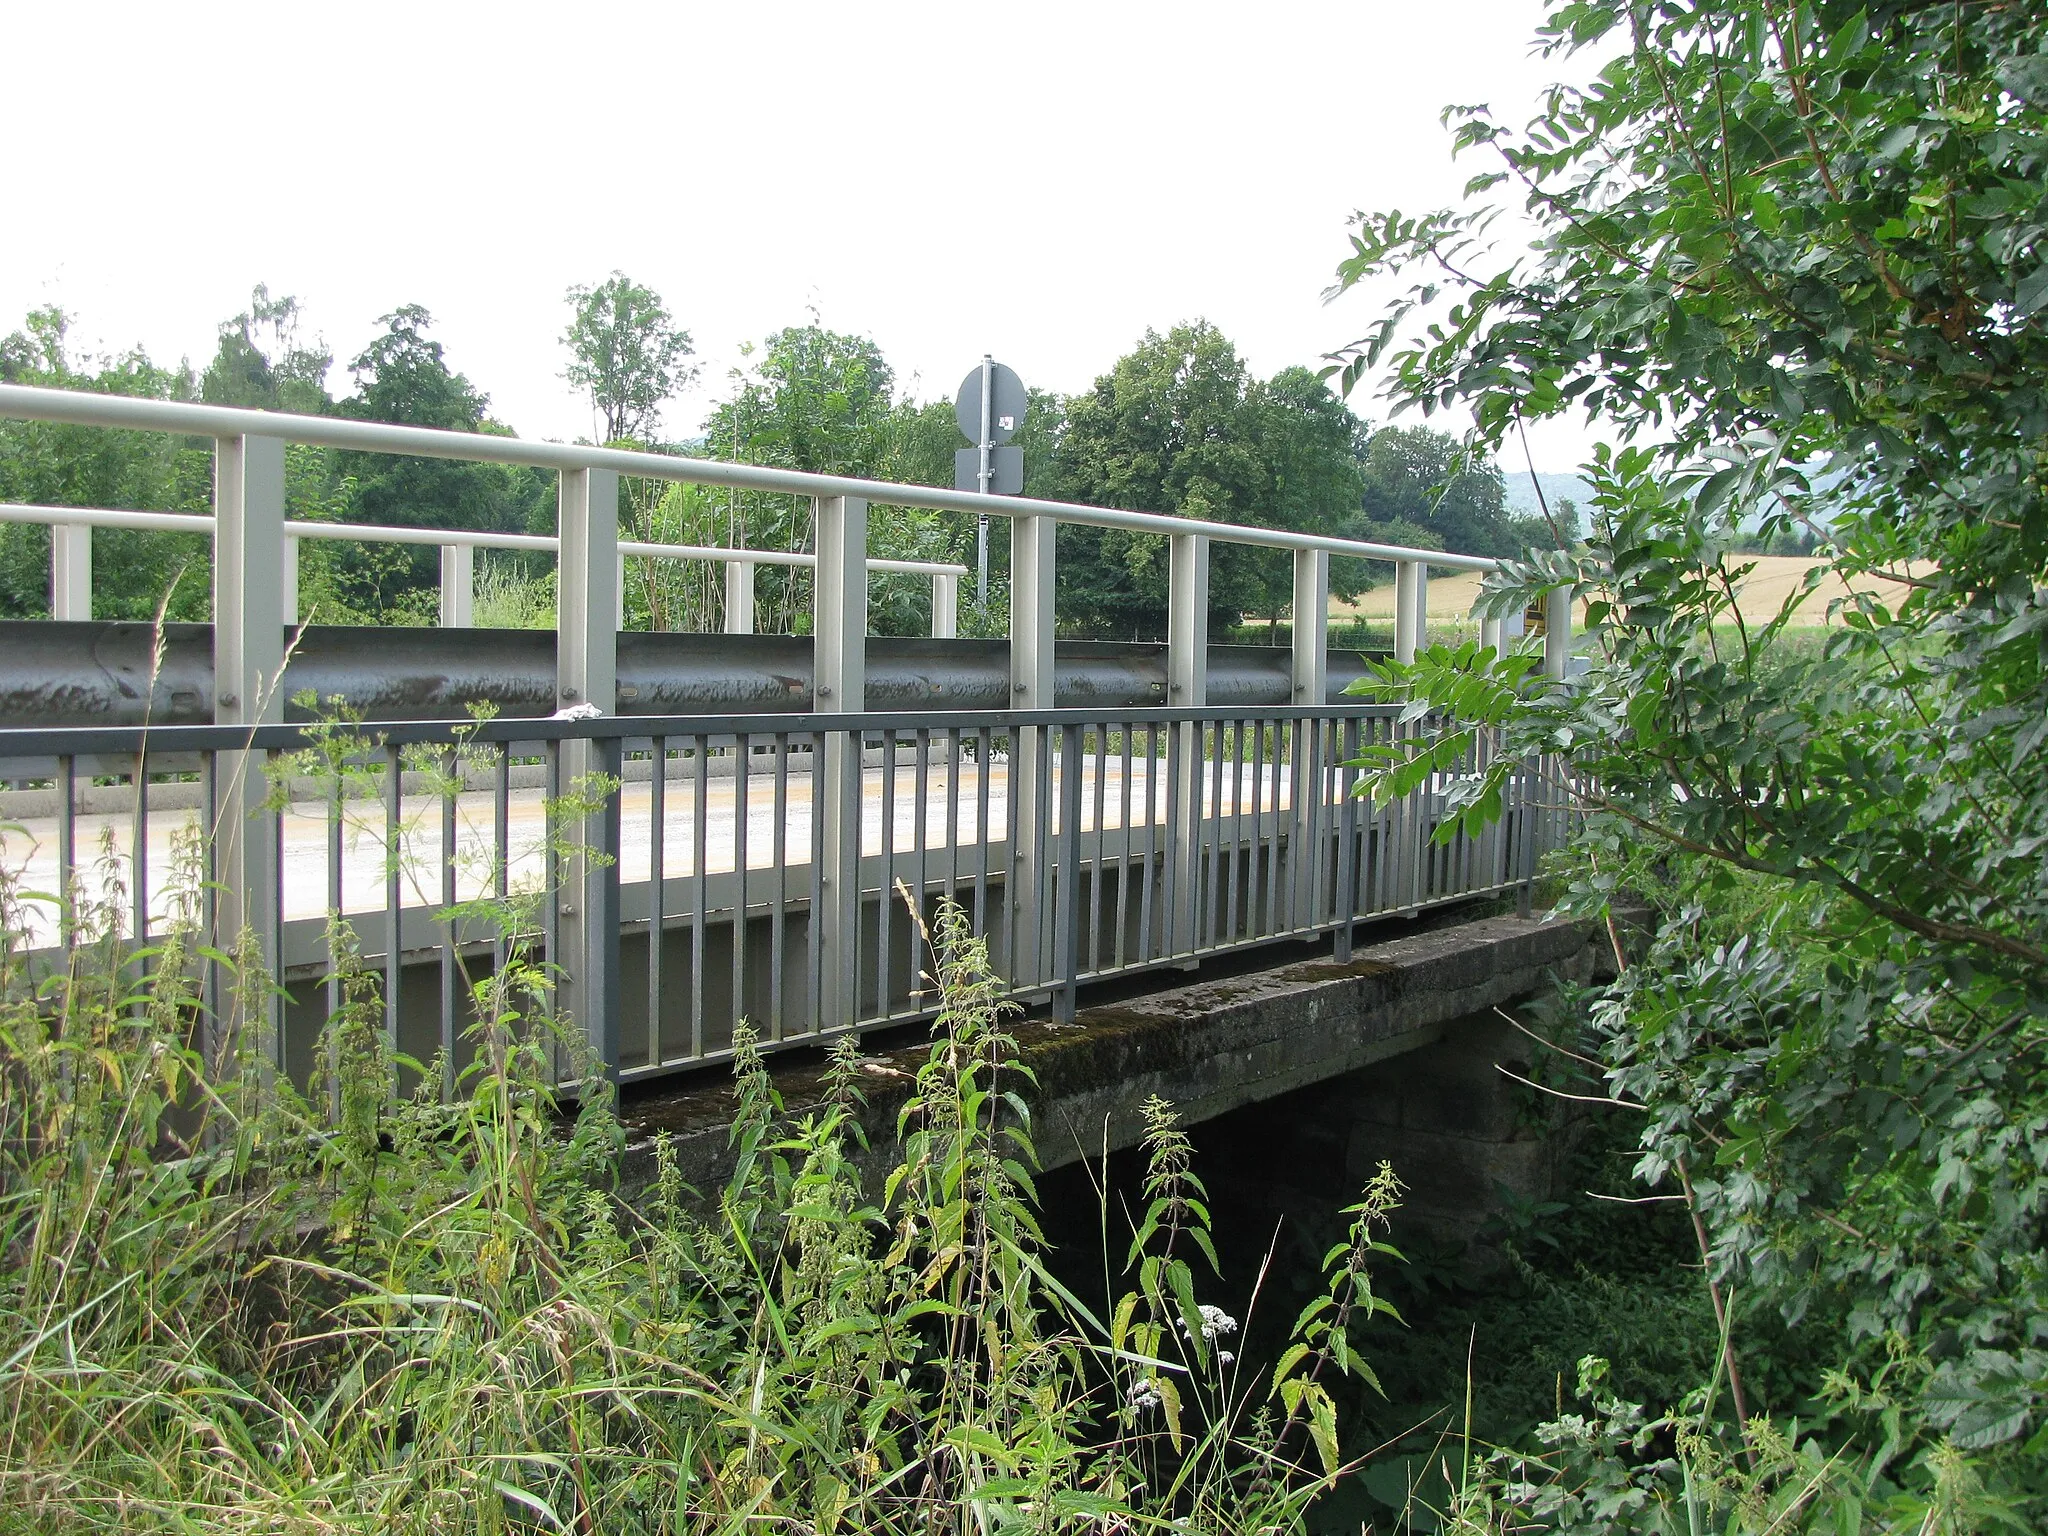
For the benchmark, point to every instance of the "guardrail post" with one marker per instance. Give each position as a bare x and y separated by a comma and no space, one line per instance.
739,597
839,643
289,584
1490,635
1067,914
1032,574
70,570
1557,633
586,671
248,670
1411,609
945,605
1311,634
1187,688
458,586
619,594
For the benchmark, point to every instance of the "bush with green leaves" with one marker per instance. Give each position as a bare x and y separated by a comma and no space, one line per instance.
1794,264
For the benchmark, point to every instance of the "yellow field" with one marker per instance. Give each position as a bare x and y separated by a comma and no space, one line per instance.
1775,578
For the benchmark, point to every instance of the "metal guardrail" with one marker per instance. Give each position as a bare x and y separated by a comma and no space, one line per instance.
1043,864
765,867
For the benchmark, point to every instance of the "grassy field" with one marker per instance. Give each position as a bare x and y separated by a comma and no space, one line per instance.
1775,578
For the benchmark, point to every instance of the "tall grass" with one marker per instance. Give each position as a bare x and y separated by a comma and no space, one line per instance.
227,1304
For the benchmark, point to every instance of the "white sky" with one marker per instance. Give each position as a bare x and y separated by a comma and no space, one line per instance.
1039,181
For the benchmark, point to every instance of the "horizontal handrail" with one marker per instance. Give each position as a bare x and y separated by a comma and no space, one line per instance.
88,740
384,533
30,403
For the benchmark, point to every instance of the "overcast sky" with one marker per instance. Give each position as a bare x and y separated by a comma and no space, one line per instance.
1038,181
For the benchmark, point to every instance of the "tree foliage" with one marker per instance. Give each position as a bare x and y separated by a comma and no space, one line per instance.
628,354
1180,425
1794,255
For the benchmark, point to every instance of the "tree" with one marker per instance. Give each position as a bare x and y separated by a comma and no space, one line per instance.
260,363
1179,425
629,356
402,376
52,464
1794,257
1416,477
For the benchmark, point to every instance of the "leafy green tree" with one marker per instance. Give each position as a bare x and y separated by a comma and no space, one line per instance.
402,376
261,364
1415,477
1778,240
52,464
628,354
1179,425
825,401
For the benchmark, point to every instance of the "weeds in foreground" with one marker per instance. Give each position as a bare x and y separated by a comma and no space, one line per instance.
232,1306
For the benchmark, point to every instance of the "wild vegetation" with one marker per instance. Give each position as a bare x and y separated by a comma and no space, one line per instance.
1793,256
228,1305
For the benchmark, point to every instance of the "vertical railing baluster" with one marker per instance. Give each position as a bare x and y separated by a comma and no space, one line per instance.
1098,764
657,891
336,905
1067,893
984,748
554,881
700,861
1147,947
921,848
67,847
778,839
394,892
453,767
1269,791
885,887
1344,896
814,968
952,813
138,855
1123,874
742,764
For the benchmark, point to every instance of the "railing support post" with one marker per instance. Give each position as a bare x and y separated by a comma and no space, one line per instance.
1187,687
839,640
586,671
1311,690
1557,633
248,670
289,584
1032,576
739,597
71,571
458,586
945,605
1411,609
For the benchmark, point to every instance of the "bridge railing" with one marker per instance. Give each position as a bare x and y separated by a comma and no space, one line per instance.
827,755
71,561
678,874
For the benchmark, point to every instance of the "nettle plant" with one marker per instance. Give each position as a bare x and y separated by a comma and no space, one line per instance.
1793,257
410,1296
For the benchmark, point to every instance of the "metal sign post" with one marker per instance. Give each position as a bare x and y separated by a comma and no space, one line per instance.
989,409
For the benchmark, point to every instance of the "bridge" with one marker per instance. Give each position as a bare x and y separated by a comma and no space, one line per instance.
700,829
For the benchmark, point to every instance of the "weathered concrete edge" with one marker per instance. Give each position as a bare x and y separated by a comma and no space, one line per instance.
1208,1048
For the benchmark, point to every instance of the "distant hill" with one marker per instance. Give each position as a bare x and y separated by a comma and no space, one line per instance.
1521,495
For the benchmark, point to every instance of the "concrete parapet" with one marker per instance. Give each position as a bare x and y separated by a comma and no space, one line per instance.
1210,1048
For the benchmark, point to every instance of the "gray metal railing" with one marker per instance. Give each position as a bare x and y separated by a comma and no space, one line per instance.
1246,832
773,868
